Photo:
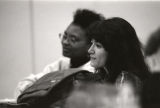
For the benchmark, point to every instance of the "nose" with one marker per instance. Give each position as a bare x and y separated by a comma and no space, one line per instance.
91,49
65,41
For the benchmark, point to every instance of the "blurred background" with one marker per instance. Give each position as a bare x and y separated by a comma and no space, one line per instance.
29,32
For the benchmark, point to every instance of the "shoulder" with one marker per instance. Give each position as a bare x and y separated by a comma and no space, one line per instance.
60,61
60,64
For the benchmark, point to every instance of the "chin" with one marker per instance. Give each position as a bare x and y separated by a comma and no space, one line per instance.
66,54
93,65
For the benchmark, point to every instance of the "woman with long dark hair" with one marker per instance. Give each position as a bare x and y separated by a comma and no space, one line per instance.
116,52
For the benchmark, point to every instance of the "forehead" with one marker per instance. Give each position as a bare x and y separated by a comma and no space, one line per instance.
75,30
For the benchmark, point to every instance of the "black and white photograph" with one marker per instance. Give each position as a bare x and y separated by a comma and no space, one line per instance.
79,54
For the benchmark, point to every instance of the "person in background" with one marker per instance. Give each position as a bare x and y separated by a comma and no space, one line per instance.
91,95
150,97
75,46
116,53
152,51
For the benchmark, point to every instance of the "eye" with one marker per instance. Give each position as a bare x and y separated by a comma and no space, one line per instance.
98,45
74,39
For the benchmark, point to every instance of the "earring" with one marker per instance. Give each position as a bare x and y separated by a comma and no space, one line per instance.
106,70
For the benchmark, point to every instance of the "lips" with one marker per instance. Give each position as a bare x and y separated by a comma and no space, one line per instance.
92,58
66,52
66,49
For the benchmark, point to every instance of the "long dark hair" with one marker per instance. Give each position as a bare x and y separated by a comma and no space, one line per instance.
120,40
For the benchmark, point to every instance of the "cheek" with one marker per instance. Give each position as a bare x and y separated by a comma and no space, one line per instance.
81,48
102,59
99,62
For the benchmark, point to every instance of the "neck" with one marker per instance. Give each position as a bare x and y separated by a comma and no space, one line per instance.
76,62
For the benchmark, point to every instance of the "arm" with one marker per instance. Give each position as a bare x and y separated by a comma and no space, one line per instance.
30,80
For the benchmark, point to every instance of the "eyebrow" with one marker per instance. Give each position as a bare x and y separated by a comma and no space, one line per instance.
65,32
71,35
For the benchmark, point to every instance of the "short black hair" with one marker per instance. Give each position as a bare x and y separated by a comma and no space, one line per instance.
153,43
85,17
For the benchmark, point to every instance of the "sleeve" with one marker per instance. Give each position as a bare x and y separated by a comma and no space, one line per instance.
31,79
23,84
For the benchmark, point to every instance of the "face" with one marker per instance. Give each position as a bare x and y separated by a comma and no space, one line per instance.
98,55
74,42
